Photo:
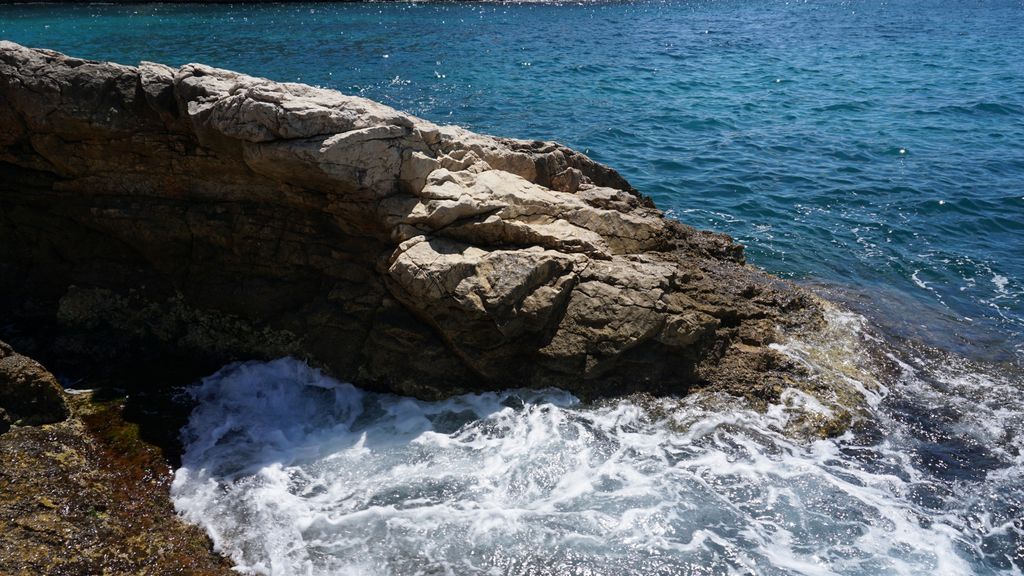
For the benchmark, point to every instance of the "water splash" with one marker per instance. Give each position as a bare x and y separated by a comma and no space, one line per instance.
294,473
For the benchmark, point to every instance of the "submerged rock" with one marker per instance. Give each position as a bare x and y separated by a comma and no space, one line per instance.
207,215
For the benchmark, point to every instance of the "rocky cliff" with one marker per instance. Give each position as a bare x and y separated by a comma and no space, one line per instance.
203,215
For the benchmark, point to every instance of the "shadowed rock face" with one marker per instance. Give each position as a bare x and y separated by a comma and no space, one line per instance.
29,395
81,492
205,215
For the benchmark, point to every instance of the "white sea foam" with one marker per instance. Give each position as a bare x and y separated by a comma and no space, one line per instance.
1000,282
294,473
920,283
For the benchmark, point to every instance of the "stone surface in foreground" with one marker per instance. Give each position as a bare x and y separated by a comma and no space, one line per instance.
203,215
81,492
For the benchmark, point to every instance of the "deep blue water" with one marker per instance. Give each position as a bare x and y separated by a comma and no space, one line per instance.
875,148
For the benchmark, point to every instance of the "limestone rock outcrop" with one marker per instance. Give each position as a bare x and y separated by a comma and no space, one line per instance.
210,216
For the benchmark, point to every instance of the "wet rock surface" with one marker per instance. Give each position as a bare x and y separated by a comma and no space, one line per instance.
207,216
84,494
29,394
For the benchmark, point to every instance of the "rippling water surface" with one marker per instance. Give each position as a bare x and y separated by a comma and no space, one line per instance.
873,150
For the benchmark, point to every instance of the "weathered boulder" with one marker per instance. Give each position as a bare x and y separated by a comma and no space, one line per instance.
29,394
210,216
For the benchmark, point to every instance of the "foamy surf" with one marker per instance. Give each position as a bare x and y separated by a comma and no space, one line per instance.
292,472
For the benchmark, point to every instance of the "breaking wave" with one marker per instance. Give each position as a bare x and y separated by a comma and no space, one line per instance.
292,472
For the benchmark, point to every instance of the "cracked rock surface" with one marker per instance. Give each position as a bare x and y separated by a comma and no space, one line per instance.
207,215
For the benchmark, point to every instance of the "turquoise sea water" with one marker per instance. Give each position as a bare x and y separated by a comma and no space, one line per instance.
873,150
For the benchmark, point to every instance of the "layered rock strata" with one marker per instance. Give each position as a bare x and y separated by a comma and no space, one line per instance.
207,215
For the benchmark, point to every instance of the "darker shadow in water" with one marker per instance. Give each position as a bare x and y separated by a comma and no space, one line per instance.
141,376
148,387
153,399
938,448
317,420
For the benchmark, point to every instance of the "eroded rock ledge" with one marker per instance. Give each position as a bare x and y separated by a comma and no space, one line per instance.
206,215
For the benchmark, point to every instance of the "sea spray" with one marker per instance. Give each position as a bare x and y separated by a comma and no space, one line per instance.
292,472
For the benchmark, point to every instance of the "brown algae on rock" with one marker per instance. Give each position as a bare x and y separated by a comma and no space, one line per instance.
86,495
833,376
